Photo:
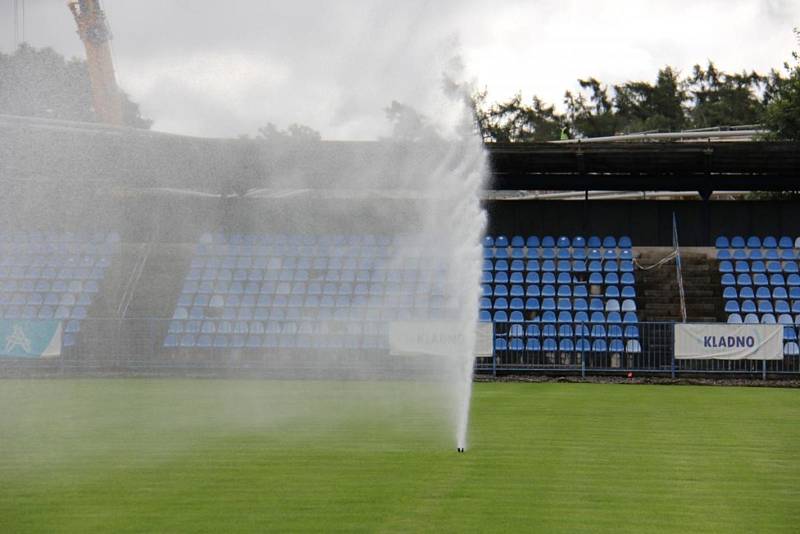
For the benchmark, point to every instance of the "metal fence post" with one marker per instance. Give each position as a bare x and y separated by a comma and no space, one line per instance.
494,351
672,344
763,369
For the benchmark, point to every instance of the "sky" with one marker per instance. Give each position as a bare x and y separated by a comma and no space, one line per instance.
228,67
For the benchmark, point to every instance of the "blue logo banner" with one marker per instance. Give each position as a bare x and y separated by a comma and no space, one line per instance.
30,339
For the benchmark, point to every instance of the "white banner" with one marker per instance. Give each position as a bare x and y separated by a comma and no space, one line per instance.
437,338
712,341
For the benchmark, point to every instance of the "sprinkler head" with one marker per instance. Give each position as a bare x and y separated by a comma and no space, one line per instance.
461,449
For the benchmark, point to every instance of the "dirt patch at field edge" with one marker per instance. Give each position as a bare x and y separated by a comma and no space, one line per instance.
743,382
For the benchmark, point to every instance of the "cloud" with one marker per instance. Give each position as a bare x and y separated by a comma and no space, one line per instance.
225,68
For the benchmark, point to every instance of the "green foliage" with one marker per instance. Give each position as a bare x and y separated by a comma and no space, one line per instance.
783,112
591,112
706,98
724,99
514,121
641,106
42,83
295,132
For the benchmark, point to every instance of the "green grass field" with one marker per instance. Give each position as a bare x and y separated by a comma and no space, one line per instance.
228,456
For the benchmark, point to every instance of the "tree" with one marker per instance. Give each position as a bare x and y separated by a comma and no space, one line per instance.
641,106
783,111
408,124
295,132
513,121
41,83
724,99
591,114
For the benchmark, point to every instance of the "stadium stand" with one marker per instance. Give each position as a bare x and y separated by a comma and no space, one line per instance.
303,291
46,275
273,291
761,283
564,294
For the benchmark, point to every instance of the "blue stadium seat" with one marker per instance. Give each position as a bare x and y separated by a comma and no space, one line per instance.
768,318
755,242
597,317
734,318
737,242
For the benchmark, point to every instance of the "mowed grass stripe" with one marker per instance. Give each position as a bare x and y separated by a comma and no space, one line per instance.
211,456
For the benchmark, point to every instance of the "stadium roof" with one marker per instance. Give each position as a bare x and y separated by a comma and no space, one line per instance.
43,150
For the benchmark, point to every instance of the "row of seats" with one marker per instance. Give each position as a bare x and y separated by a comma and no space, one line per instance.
757,254
756,242
43,312
550,254
763,318
51,273
278,327
760,279
758,266
552,266
550,316
297,313
303,275
550,290
762,292
28,237
274,341
534,330
551,304
338,240
552,345
762,306
547,241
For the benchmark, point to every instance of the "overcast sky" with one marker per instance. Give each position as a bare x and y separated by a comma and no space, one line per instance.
227,67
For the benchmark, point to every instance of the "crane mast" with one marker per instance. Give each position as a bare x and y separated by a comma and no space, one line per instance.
93,31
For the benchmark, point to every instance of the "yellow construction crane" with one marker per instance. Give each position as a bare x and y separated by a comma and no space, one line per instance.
93,31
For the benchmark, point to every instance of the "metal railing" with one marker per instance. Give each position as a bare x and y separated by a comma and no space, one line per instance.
137,346
656,357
